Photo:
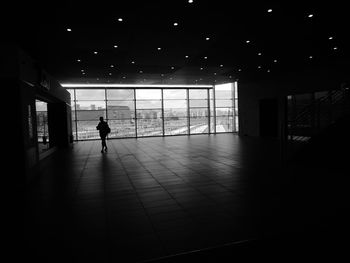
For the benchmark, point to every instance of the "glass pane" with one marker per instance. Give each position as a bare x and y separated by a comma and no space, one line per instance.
42,126
149,127
120,94
199,112
148,94
92,94
73,115
212,125
149,114
224,124
224,111
148,104
175,112
122,128
90,105
175,125
198,94
175,104
87,130
174,94
224,103
120,110
224,91
198,103
198,125
90,115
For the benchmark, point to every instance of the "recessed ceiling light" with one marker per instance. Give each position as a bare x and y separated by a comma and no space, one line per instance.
186,56
201,68
247,41
310,15
335,48
221,66
190,1
120,19
124,77
205,57
159,48
176,24
132,62
83,73
82,70
141,71
112,66
239,69
115,46
259,54
268,71
269,10
95,52
110,73
310,57
259,66
78,60
69,29
172,68
207,38
275,61
330,38
214,73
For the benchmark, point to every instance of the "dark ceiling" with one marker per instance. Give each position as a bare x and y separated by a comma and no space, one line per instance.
280,41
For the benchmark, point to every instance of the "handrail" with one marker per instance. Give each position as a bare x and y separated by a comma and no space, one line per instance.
310,119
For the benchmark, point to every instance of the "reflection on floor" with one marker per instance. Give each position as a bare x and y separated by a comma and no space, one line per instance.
150,197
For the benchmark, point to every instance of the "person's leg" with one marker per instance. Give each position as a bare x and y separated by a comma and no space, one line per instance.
103,142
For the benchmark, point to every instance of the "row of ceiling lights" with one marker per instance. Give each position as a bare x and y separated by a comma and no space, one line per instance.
207,39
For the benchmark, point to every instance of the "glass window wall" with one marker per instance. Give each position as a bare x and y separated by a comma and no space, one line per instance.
154,112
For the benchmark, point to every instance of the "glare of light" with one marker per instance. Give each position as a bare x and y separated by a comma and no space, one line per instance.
186,56
247,41
69,29
259,66
201,68
112,66
268,70
159,48
78,60
310,15
141,71
110,73
190,1
239,69
115,46
172,68
120,19
95,52
269,10
82,70
275,61
335,48
330,38
205,57
259,54
221,66
101,85
132,62
310,57
176,24
207,38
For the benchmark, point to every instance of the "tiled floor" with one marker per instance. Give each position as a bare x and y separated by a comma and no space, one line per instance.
151,197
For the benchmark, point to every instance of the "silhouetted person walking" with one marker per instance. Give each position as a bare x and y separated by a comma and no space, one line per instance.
104,130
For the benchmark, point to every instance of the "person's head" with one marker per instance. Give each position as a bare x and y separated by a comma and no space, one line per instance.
101,118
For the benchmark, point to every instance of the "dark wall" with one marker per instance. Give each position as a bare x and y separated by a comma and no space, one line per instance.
252,94
23,81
